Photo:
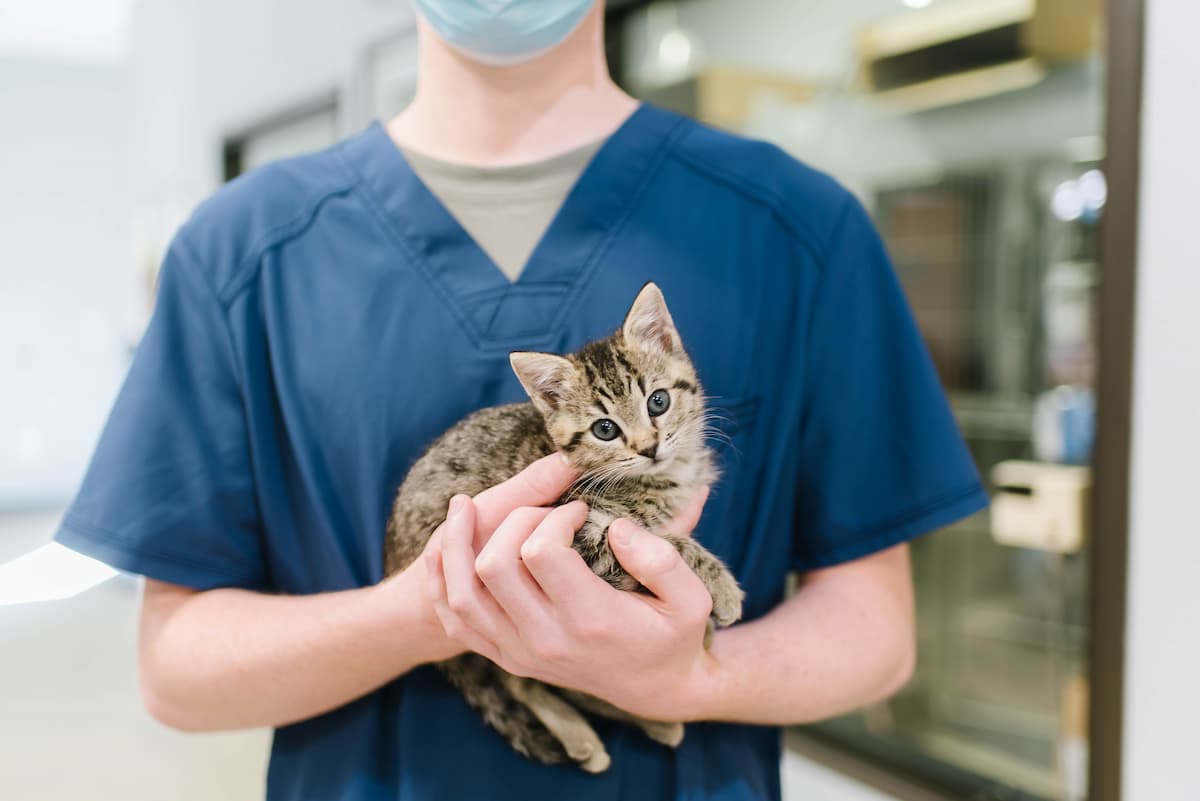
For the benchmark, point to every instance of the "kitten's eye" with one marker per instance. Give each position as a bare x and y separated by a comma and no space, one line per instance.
605,430
658,402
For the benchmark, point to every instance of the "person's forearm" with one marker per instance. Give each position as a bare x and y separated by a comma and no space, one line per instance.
227,658
839,643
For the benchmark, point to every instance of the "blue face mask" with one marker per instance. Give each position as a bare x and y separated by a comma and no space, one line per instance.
503,31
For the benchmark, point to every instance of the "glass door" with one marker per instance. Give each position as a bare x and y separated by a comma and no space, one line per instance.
972,131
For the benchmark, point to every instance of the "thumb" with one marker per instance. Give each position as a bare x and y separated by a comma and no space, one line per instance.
540,484
655,563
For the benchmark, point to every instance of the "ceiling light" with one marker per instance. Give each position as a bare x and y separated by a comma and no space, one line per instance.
1093,188
66,30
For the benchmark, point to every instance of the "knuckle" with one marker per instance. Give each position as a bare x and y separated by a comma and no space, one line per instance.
548,649
592,628
661,560
488,566
533,550
454,628
459,604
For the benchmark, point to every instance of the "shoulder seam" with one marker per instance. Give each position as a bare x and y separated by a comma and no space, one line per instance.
823,260
835,230
763,196
248,265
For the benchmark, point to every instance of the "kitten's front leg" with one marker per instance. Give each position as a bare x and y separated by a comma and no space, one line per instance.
591,542
722,586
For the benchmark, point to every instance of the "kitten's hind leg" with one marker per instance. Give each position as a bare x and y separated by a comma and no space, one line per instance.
564,721
670,734
481,685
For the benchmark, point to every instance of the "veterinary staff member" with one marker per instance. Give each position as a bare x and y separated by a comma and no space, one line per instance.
322,319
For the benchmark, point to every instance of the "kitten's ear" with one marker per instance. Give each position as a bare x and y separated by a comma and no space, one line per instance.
649,325
545,376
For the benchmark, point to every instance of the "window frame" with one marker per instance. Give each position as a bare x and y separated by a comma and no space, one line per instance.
233,144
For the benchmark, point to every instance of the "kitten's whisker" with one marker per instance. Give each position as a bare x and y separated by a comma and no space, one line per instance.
598,480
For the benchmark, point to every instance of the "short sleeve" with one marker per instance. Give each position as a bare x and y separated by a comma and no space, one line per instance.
881,456
169,492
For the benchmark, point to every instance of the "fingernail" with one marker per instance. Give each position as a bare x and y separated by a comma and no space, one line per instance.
621,531
457,504
563,456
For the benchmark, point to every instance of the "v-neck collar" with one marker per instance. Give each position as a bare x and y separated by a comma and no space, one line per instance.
495,312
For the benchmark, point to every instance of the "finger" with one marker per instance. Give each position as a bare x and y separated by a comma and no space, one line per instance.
500,568
452,624
433,550
459,631
684,523
654,562
540,484
556,567
465,594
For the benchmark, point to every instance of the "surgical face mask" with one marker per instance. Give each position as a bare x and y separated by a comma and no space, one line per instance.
503,31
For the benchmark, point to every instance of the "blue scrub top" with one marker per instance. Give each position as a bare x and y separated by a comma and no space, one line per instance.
322,319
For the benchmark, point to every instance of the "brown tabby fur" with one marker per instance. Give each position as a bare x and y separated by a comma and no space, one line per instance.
646,474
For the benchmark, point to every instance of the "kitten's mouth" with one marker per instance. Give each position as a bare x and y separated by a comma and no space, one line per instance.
652,465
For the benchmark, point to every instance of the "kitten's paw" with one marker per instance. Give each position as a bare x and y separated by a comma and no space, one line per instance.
669,734
597,762
722,586
727,597
584,749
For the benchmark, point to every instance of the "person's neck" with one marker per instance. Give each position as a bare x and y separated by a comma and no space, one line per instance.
471,113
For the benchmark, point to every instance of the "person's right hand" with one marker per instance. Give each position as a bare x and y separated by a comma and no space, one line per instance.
529,495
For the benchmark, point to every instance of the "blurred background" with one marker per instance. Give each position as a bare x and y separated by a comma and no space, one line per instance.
1004,148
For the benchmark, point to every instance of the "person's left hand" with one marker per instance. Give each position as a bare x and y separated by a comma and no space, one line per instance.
528,602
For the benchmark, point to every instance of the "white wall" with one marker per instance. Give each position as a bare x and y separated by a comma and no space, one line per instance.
206,68
64,278
99,163
1162,697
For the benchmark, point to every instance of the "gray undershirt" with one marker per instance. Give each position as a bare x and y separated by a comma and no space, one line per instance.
506,210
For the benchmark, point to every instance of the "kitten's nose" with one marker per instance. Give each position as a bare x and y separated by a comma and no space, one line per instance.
650,450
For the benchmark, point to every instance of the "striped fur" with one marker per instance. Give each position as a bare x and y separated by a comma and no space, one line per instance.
646,473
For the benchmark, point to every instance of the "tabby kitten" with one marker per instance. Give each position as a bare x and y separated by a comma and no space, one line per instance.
628,412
